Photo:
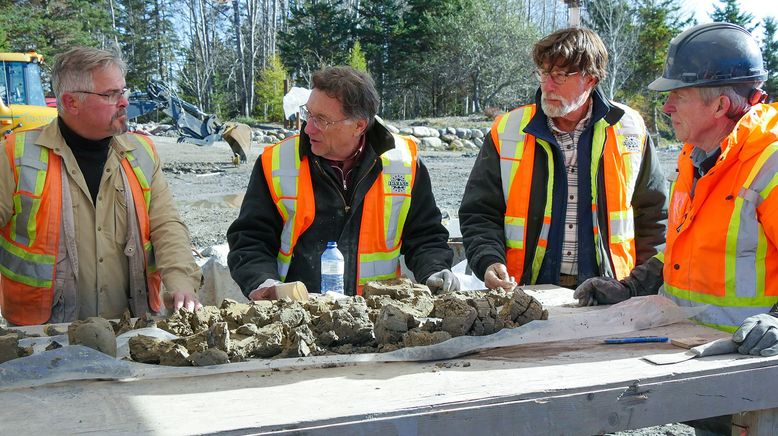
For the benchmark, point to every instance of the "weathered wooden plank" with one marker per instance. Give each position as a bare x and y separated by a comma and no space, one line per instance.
756,423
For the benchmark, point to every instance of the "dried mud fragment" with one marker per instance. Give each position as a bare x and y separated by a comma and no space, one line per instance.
348,324
233,312
179,323
522,309
488,320
95,333
146,349
53,345
194,343
456,314
211,356
50,330
204,318
9,347
145,321
417,338
260,313
392,322
219,337
291,314
123,325
299,342
267,342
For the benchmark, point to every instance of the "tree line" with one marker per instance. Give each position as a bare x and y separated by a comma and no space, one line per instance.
428,57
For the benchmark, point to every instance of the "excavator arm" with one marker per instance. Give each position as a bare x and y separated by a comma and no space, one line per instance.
193,125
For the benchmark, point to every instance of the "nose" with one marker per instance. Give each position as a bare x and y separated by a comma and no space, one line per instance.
124,101
668,107
311,127
547,85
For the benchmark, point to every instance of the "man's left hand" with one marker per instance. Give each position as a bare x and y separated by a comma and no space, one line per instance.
758,335
186,299
442,282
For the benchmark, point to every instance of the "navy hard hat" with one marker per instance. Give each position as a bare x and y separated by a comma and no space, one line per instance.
713,54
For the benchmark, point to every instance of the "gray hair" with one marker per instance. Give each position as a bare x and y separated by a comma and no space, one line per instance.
738,96
72,70
354,89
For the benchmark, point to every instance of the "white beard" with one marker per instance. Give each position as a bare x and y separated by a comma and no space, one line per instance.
566,106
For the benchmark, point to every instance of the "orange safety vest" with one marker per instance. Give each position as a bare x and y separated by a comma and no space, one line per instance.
29,242
384,209
717,251
619,146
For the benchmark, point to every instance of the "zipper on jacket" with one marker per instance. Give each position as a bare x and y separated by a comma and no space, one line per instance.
337,188
354,194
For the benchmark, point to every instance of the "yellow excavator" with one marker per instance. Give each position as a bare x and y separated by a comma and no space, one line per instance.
22,103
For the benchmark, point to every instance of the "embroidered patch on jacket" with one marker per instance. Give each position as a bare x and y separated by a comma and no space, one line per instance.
632,144
398,183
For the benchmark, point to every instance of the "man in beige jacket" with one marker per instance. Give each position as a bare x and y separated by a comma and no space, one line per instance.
87,222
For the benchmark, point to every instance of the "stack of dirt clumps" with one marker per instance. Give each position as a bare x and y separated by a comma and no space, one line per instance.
390,315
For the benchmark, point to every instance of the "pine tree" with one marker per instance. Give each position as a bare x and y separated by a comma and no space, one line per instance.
770,55
356,59
729,12
270,89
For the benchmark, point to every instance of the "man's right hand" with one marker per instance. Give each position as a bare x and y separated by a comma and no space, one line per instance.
267,293
601,290
496,276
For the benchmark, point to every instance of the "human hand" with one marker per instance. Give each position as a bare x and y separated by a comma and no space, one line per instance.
187,299
601,290
758,335
443,281
496,276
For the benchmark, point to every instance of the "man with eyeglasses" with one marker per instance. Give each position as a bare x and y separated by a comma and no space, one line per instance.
88,226
345,178
566,188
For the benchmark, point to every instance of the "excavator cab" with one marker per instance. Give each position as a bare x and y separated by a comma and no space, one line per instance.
22,103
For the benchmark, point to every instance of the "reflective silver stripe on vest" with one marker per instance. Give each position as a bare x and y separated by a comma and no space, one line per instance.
510,139
514,232
143,159
379,267
20,266
287,174
622,228
30,167
749,229
720,315
399,164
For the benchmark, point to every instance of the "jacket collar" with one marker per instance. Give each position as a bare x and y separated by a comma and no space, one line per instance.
51,137
378,140
757,129
602,109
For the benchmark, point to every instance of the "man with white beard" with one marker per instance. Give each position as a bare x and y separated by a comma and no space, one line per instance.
568,192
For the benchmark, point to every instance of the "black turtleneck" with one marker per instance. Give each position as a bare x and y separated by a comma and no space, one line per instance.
90,156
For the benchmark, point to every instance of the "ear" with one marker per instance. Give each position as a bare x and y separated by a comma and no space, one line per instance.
70,103
361,126
721,106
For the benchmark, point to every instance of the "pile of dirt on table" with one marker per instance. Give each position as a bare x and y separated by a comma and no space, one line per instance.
390,315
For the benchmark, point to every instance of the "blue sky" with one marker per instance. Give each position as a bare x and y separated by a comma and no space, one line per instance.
758,8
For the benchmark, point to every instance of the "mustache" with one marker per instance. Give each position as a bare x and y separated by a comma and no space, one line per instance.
120,113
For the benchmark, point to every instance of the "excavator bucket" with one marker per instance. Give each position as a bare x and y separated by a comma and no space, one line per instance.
238,135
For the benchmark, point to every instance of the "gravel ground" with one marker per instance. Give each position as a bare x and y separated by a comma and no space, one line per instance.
208,190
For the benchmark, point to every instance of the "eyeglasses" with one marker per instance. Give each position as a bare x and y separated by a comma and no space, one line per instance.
112,96
317,121
559,77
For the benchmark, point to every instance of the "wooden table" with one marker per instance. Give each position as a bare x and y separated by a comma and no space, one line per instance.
567,387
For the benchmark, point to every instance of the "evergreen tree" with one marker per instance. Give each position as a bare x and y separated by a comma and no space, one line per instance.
270,90
770,55
318,34
356,59
729,12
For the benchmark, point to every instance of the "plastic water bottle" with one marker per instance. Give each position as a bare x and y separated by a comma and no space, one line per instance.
332,266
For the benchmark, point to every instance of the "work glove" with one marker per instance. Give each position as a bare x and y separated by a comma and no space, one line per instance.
758,335
443,281
601,290
496,277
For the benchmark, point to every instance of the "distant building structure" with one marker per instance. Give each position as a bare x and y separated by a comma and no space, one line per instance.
573,12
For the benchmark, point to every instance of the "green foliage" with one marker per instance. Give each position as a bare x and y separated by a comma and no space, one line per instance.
270,90
318,34
729,12
53,27
770,55
356,58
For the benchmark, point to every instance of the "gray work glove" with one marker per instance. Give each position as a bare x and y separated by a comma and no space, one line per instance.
601,290
758,335
443,281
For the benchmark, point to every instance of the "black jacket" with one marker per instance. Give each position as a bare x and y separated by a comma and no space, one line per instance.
482,211
254,237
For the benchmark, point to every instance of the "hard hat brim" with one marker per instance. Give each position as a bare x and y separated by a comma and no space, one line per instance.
661,84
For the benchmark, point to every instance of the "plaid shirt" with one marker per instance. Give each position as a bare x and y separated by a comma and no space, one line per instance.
568,143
